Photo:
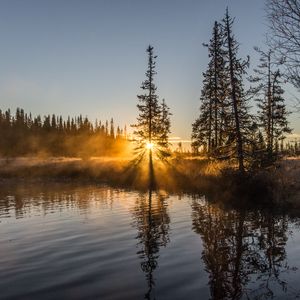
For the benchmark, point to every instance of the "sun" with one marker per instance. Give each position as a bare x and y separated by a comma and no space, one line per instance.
149,146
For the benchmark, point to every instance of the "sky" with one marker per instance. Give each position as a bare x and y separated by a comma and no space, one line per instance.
73,57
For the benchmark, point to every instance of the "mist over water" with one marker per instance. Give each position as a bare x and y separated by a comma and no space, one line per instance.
67,241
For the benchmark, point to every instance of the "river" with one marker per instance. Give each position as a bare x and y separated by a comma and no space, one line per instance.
70,241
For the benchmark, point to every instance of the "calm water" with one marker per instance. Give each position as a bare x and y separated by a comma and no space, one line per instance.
93,242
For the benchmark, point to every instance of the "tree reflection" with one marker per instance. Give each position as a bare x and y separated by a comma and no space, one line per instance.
25,199
243,252
152,222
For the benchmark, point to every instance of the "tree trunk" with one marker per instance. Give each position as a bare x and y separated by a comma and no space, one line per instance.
269,139
240,152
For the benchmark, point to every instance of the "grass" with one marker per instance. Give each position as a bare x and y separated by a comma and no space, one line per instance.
218,181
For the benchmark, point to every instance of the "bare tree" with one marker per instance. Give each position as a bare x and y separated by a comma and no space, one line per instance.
284,36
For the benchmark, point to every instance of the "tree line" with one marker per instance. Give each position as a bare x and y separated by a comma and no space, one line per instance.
22,134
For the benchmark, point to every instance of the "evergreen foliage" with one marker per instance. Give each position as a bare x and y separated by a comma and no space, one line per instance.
224,125
165,129
23,135
236,67
209,130
153,121
272,114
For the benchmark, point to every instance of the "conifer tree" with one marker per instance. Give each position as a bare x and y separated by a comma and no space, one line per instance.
148,127
165,126
236,68
106,128
53,122
112,128
118,135
202,127
22,135
60,124
209,129
268,93
279,124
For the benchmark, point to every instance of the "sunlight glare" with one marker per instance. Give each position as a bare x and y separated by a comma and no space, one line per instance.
149,146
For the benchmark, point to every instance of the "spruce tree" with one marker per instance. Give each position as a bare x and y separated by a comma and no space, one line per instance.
153,123
236,68
279,124
202,127
272,114
165,126
112,129
209,129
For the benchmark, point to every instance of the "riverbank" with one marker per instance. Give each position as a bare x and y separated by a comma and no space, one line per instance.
217,180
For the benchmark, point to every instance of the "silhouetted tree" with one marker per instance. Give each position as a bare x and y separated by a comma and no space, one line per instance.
24,135
236,67
268,92
112,128
284,37
147,128
202,127
106,128
209,128
164,130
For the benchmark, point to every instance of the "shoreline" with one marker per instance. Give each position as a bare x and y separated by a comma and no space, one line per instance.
279,185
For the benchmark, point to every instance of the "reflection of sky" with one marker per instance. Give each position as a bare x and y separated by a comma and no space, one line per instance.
71,57
61,238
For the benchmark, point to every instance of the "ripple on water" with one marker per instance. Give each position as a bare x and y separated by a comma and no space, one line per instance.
93,242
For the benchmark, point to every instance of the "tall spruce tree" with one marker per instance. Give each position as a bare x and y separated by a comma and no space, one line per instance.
279,124
209,129
202,127
236,68
148,121
153,123
272,114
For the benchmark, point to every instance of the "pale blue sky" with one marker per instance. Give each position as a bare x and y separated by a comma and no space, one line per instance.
70,57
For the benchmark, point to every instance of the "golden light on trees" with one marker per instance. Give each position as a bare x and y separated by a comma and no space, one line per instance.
153,122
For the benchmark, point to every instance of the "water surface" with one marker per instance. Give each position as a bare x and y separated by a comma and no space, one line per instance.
62,241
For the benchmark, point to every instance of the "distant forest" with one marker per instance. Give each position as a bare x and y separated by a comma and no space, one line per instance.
22,134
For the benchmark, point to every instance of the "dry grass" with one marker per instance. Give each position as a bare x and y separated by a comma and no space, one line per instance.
217,180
